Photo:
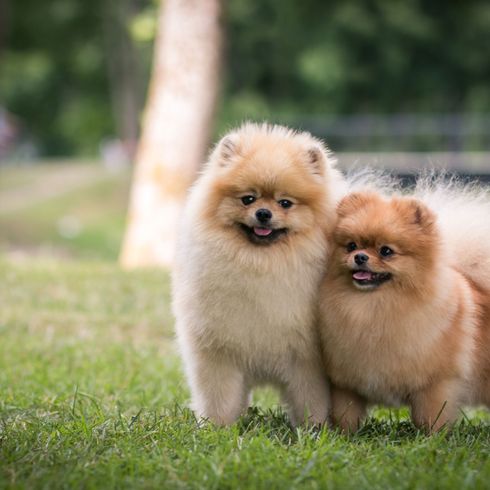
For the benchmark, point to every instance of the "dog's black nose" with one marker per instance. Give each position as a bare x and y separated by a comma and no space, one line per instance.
263,215
360,258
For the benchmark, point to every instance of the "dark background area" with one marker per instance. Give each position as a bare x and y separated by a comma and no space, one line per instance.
365,75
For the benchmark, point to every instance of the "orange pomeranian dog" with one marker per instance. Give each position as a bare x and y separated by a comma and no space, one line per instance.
401,322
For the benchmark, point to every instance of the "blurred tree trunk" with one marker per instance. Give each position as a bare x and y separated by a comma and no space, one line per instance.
124,71
176,127
4,20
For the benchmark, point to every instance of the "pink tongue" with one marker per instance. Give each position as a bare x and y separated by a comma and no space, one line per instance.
362,275
262,231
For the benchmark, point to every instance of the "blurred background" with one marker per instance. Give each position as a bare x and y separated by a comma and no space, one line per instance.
400,84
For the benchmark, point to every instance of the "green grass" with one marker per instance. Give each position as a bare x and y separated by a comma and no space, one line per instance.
87,221
92,396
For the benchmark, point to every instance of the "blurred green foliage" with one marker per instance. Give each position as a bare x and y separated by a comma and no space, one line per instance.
284,60
352,56
52,73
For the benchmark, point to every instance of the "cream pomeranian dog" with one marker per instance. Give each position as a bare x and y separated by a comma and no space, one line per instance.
405,306
250,259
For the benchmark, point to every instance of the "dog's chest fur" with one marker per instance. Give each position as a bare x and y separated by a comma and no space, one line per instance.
255,316
385,355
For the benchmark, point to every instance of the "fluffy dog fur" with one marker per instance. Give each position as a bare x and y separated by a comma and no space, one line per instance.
419,331
245,291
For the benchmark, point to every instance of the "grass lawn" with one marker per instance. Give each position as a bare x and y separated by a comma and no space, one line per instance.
92,396
75,211
91,387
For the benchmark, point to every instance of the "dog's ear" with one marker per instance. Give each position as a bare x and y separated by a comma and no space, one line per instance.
226,151
352,202
316,160
228,147
417,213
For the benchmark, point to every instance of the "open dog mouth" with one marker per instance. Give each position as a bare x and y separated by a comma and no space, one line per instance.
365,279
262,235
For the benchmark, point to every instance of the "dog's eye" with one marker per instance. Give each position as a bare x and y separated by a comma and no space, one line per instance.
248,200
351,246
386,251
285,203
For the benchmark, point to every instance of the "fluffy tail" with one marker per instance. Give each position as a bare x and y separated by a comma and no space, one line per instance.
463,212
371,179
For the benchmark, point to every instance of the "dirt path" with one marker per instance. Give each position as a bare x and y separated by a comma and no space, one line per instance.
50,182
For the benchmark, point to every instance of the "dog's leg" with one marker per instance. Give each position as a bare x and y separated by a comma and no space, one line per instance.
348,409
306,393
219,390
436,406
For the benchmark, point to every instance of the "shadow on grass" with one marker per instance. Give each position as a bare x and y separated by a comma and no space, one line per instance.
393,428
